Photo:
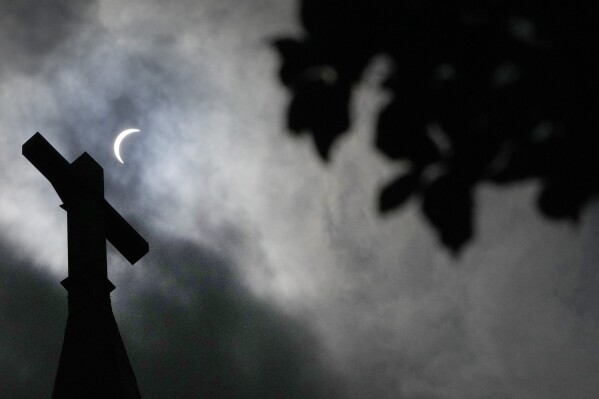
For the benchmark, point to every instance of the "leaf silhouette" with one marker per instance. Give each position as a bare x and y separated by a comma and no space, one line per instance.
397,192
322,110
447,204
401,134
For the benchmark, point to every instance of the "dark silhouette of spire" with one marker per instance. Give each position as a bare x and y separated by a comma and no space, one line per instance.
93,362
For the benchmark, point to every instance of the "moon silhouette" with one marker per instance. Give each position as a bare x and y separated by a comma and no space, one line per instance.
119,140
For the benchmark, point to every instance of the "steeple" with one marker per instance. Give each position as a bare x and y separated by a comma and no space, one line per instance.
93,361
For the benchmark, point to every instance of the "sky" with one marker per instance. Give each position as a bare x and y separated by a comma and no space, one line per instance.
270,274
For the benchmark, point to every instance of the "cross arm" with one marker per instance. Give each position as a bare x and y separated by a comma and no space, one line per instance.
50,163
124,237
66,181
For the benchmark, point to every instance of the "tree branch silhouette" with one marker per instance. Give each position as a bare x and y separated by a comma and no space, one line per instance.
493,90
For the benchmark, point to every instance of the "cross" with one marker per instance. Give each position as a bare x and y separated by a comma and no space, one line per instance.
93,361
90,218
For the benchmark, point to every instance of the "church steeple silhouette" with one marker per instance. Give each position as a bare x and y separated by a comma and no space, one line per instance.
93,361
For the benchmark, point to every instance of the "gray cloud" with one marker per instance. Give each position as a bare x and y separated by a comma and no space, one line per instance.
33,316
199,332
196,331
30,29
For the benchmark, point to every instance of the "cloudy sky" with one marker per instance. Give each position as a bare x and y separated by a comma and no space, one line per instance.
269,274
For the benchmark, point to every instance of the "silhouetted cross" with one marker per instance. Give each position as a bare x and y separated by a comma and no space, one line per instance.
90,218
93,361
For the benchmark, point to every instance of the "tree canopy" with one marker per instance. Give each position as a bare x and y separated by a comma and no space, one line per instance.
479,90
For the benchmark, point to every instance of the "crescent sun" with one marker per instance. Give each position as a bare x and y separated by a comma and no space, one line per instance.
119,139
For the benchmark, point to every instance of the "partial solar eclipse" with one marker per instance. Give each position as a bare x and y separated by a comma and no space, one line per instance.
119,140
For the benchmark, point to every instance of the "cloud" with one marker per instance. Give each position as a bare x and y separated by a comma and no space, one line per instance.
190,327
33,314
30,30
197,331
503,321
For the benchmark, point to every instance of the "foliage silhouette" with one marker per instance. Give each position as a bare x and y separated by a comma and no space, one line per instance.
480,90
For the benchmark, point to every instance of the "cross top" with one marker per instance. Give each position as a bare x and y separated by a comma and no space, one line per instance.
90,218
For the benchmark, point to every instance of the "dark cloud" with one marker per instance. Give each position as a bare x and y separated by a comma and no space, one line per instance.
203,334
30,29
197,331
33,316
